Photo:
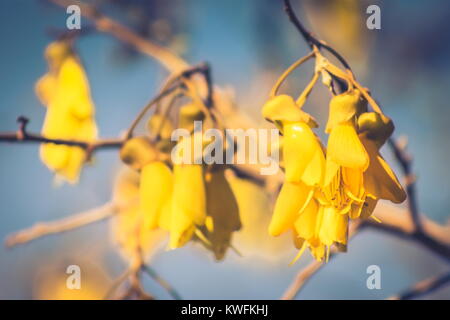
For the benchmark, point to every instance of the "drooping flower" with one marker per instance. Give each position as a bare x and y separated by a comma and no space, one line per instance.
222,213
325,188
128,226
64,90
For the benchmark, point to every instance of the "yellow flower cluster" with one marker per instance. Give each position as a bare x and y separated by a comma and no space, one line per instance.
64,90
325,187
189,200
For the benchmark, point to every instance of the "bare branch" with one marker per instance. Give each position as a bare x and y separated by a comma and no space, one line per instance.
405,160
309,37
22,136
66,224
396,221
311,269
163,283
103,23
424,287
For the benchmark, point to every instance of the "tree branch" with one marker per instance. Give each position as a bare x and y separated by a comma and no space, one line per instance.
22,136
424,287
103,23
66,224
405,161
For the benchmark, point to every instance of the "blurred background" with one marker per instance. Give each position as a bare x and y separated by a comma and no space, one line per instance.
248,43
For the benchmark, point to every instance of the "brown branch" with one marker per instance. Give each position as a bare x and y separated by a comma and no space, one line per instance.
397,221
313,267
424,287
105,24
66,224
22,136
163,283
309,37
405,161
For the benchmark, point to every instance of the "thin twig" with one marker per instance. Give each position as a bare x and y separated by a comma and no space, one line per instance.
309,37
163,283
311,269
424,287
397,221
23,136
69,223
405,161
105,24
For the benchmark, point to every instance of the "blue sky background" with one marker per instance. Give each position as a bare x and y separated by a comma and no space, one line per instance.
407,71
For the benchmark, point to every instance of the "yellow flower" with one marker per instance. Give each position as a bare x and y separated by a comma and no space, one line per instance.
64,90
189,194
223,213
300,144
128,226
380,181
155,191
188,203
291,199
347,158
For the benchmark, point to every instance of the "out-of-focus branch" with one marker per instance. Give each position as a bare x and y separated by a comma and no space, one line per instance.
397,221
310,39
313,267
132,276
167,58
424,287
23,136
163,283
66,224
405,161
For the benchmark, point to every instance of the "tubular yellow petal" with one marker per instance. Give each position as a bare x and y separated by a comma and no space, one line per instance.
223,211
165,218
291,199
155,190
332,169
74,86
299,147
345,147
353,181
189,192
315,170
334,227
222,206
344,107
182,228
306,225
282,108
379,179
46,88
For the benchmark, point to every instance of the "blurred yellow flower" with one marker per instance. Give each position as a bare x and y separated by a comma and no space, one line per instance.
64,90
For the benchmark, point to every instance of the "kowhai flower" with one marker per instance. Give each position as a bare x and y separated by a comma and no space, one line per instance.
325,188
